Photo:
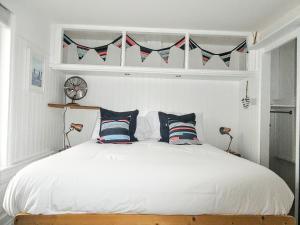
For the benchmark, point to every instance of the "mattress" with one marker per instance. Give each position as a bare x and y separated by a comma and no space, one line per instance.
146,178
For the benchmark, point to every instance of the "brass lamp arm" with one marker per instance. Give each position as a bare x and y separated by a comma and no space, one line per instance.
228,149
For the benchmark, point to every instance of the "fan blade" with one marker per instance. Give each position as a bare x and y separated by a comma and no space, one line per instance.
79,94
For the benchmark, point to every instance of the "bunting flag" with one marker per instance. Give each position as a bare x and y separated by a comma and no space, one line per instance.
145,52
164,53
242,47
67,41
206,56
180,44
118,42
81,51
102,51
192,44
129,42
226,57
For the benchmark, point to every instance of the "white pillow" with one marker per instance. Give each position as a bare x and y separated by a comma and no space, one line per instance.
199,127
96,130
154,123
143,129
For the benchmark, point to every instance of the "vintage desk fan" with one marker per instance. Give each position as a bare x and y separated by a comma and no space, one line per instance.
75,89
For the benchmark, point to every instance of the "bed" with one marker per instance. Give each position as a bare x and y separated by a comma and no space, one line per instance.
147,181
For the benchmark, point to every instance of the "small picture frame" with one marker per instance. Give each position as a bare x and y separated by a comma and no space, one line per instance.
36,71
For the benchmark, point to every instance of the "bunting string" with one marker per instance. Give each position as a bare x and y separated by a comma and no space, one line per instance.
225,56
100,50
163,52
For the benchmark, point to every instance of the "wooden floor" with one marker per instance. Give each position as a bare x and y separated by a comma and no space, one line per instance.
122,219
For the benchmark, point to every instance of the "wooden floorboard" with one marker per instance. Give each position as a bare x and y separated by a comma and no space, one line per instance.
123,219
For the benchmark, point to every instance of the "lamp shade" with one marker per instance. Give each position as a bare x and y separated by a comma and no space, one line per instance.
224,130
77,126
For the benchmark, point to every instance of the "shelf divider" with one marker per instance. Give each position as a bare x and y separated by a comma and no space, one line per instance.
123,55
187,51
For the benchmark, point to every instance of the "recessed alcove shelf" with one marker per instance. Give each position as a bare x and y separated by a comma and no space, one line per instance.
184,67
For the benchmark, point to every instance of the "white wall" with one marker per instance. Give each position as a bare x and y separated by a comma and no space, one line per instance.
248,122
34,128
218,100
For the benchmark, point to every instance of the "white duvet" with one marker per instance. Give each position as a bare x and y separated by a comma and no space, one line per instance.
146,178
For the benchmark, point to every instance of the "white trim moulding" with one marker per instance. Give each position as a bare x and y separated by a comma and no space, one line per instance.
282,32
154,30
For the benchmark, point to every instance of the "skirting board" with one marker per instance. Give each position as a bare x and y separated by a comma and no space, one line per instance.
124,219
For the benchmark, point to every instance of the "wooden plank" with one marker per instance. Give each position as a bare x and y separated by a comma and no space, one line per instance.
61,106
83,107
54,105
122,219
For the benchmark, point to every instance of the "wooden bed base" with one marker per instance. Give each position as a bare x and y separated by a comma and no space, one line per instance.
123,219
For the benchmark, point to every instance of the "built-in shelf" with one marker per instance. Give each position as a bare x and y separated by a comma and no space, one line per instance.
122,65
128,71
72,106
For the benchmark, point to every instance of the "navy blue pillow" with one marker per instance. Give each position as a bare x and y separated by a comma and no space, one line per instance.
115,131
109,114
164,123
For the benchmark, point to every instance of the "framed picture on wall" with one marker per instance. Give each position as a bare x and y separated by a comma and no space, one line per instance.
37,72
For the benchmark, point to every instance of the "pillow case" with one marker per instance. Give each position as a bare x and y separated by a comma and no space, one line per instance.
153,120
115,131
96,130
182,133
164,123
143,129
108,114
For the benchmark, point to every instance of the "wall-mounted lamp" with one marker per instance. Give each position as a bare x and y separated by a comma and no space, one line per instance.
74,126
226,130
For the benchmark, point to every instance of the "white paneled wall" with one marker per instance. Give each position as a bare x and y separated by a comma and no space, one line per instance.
218,100
35,128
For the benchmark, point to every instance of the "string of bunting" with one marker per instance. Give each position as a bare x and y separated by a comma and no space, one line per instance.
225,56
101,50
163,52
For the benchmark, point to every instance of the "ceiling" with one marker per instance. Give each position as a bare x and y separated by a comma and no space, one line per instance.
239,15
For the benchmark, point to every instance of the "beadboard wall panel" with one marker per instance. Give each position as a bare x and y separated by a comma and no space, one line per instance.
34,128
218,100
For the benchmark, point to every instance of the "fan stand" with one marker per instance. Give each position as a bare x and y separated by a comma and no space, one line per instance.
72,103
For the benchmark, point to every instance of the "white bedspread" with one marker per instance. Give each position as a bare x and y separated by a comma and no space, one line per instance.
146,178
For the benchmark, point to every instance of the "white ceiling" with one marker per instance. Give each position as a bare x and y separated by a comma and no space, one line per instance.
240,15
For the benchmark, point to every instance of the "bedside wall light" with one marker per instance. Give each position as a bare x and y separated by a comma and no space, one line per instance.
226,130
74,126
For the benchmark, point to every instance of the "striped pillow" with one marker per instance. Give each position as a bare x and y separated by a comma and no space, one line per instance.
182,133
115,131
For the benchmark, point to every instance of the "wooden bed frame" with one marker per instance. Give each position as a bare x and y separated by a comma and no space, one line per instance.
123,219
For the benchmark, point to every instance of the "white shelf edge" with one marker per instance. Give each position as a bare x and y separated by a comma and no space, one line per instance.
153,72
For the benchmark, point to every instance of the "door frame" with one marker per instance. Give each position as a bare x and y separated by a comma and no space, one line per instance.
264,104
